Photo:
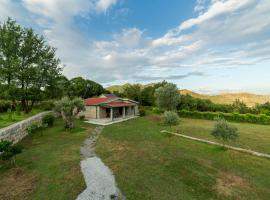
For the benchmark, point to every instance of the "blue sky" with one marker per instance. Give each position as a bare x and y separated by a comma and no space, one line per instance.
209,46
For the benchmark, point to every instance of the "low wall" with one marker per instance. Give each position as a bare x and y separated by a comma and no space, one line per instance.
17,131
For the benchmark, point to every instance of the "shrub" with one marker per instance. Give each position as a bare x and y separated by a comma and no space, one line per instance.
18,109
156,110
48,120
82,117
9,152
170,118
46,105
10,114
224,131
4,106
142,112
36,127
249,118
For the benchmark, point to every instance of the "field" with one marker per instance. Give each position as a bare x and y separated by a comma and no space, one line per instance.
152,165
48,168
251,136
7,119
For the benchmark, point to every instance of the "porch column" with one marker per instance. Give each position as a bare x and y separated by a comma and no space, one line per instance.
111,114
124,112
98,112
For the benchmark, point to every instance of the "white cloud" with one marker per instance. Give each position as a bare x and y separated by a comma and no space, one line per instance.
104,5
200,6
11,9
226,33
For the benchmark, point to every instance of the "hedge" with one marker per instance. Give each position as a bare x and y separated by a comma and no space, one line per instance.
5,105
236,117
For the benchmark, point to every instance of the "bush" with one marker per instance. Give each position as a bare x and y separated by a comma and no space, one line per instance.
156,110
18,109
142,112
82,117
224,131
36,127
170,118
4,106
249,118
48,120
10,114
46,105
9,152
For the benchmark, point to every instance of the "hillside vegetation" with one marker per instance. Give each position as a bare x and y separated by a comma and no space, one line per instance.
223,98
228,98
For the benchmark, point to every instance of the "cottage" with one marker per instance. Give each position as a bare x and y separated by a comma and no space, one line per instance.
109,108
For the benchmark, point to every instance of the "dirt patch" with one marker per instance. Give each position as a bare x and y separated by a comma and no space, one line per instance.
17,184
120,148
228,183
155,118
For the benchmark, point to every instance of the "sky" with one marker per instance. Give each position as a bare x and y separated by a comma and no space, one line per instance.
208,46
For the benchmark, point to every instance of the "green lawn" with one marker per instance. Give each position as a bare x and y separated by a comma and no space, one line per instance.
251,136
6,119
152,165
49,167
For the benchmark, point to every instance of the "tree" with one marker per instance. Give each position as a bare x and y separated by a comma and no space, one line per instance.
84,88
57,87
69,109
147,97
224,131
240,107
167,97
133,92
9,152
26,62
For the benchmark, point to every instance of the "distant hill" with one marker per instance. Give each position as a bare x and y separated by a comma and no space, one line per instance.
223,98
228,98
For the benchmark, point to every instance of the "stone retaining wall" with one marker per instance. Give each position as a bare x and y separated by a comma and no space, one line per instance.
17,131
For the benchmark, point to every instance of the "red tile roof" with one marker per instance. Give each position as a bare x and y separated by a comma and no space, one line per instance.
96,101
119,104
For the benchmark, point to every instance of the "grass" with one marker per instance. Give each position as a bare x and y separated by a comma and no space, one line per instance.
152,165
7,119
49,167
251,136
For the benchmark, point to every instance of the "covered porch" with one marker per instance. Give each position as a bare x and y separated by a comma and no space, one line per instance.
108,121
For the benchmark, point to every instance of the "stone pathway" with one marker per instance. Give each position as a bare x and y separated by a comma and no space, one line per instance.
100,181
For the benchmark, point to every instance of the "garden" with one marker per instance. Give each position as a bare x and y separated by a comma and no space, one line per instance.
147,163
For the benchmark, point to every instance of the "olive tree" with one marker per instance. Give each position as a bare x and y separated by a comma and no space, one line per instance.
167,97
224,131
69,109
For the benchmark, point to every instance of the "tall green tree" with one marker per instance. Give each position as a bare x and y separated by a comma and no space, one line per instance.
26,62
84,88
167,97
133,92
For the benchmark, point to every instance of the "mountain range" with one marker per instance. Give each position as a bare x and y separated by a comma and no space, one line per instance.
249,99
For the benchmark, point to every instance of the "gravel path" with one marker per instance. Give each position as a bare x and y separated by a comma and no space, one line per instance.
99,179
